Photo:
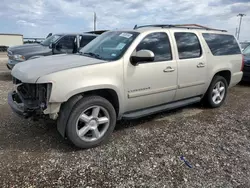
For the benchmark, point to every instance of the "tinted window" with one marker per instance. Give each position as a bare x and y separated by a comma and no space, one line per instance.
67,42
220,44
50,39
247,51
85,40
159,44
188,45
244,45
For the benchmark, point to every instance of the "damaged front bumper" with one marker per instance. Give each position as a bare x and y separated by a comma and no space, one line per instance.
17,105
29,100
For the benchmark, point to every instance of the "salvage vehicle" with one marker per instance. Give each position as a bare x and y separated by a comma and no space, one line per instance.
55,44
246,69
127,74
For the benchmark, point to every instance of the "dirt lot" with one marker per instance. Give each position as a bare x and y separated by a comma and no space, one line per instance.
142,153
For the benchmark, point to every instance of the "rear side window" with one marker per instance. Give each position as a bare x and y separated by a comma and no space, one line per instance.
159,44
85,40
67,42
220,44
188,45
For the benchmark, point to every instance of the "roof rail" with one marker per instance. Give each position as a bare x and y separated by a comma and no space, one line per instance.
186,26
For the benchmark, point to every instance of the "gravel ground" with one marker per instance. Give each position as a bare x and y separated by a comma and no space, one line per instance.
4,71
142,153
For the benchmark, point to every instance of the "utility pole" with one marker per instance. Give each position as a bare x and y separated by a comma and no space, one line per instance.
94,21
236,32
241,15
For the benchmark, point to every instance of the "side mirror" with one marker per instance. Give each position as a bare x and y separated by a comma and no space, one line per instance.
50,34
142,56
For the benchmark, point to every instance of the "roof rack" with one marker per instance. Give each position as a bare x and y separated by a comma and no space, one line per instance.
98,32
186,26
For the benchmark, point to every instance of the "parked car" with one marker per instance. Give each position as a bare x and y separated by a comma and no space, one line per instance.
127,75
244,45
246,69
55,44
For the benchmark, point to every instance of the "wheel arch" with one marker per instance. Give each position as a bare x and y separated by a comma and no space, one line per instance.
110,94
224,73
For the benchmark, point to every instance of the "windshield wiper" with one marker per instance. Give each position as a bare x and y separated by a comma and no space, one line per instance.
91,54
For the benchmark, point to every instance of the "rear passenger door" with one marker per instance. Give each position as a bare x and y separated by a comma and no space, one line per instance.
191,63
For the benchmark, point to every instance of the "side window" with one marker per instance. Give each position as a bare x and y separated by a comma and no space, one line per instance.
85,40
221,44
247,51
67,42
188,45
159,44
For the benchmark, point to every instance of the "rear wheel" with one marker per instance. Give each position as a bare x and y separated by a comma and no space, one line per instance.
91,122
217,92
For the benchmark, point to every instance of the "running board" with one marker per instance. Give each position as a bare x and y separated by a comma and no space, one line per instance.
161,108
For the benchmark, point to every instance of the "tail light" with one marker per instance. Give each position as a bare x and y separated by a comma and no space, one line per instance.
242,65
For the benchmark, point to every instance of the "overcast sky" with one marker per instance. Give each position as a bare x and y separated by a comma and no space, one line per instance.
37,18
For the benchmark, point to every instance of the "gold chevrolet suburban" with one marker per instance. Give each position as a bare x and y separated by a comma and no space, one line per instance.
126,75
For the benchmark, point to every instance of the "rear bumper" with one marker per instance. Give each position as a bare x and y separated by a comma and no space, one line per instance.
236,78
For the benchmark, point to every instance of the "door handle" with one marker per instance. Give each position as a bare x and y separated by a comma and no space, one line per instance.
168,69
201,65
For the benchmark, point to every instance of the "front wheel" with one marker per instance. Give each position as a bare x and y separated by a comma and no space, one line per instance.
91,122
217,92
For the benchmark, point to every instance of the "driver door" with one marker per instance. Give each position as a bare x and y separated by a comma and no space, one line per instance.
151,83
65,45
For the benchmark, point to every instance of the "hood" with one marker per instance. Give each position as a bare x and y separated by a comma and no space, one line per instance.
28,50
29,71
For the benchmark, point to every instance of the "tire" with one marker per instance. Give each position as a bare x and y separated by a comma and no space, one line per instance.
83,132
208,98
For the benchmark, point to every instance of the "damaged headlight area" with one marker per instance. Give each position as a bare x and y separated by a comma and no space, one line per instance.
29,100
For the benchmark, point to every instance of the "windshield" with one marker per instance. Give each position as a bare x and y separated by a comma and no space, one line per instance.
244,45
110,45
50,39
246,52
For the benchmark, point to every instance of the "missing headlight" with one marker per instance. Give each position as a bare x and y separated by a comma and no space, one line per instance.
35,96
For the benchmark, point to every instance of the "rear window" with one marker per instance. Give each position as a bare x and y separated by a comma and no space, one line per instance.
220,44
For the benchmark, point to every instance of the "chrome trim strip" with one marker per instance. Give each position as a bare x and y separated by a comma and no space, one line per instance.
150,92
190,84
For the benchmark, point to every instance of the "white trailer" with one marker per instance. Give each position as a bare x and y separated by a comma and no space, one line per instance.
7,40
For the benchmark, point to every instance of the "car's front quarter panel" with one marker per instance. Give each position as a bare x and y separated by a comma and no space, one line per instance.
70,82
